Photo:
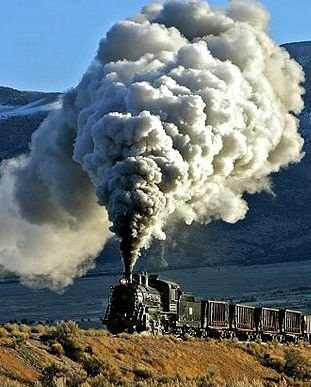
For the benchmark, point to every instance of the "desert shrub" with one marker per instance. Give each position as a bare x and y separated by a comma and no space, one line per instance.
10,327
20,332
296,365
156,381
97,332
143,373
72,347
255,349
244,383
40,329
6,382
91,364
25,328
9,342
48,334
274,344
76,378
111,372
50,374
101,381
207,380
61,331
233,343
16,337
66,329
66,334
57,349
3,332
55,375
20,336
273,361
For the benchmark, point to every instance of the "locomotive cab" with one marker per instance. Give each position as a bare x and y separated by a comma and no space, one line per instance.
170,293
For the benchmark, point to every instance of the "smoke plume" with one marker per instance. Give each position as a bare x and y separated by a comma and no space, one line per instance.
184,109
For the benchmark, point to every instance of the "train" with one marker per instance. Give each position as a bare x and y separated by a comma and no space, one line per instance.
147,303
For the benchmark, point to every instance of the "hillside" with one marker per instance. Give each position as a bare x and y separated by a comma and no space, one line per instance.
21,112
68,356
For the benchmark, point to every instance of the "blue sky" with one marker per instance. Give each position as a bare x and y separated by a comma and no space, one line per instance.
48,44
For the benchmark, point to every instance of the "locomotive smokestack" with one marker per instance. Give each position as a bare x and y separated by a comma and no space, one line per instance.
128,270
128,252
129,276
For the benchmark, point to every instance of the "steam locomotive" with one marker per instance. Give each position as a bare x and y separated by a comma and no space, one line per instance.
146,303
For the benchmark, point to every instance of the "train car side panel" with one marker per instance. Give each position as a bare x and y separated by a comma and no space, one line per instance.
307,324
267,320
242,318
216,315
189,312
291,322
306,327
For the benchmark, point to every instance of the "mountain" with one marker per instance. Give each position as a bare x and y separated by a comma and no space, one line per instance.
21,112
276,228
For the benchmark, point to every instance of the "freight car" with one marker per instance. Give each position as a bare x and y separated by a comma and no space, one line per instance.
215,319
145,303
268,323
306,327
290,324
242,321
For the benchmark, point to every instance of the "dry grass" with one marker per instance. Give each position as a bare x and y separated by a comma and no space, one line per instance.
68,356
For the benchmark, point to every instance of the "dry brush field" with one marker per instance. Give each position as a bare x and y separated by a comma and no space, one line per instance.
65,355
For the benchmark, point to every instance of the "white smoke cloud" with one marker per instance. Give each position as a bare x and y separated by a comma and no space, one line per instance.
184,109
51,227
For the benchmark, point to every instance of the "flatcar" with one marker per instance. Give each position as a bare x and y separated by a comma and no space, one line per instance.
146,303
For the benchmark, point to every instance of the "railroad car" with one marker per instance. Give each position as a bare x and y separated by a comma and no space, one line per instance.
268,323
189,315
306,327
290,324
215,318
242,321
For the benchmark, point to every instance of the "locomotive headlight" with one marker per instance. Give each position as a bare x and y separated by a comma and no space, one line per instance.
123,281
